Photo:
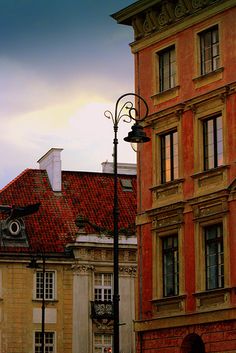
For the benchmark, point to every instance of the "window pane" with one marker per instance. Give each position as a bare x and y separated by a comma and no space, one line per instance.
167,69
48,285
214,256
209,43
103,286
213,142
102,342
49,344
169,157
170,266
98,279
175,155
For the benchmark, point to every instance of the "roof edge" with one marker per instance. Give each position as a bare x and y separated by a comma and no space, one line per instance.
15,179
124,16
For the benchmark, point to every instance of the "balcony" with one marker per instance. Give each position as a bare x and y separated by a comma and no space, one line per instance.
102,310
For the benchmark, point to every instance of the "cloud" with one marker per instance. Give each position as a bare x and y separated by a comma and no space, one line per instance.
76,125
22,90
58,74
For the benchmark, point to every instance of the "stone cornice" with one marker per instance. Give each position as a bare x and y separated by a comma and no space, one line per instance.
164,18
177,110
153,17
208,317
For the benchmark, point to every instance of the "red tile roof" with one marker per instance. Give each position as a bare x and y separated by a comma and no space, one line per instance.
85,194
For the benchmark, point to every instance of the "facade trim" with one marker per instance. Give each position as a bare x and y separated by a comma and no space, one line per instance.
186,319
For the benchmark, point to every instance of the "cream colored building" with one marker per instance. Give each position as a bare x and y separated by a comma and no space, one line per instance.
72,232
93,280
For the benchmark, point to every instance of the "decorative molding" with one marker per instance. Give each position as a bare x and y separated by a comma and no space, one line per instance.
217,94
13,232
103,325
164,96
82,269
204,207
210,317
128,270
168,305
213,298
166,13
193,104
210,179
166,216
167,190
208,78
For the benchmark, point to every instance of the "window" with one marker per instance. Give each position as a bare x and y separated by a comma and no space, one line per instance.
170,265
103,286
49,285
213,142
214,256
49,342
209,48
167,69
102,343
169,156
126,184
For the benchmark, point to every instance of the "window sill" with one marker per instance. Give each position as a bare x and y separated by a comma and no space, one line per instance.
208,78
211,177
211,299
168,305
164,96
167,190
48,301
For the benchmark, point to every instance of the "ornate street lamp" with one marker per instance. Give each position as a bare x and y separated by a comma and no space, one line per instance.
34,265
128,113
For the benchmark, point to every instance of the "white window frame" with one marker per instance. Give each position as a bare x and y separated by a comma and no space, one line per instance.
102,287
46,345
102,346
53,291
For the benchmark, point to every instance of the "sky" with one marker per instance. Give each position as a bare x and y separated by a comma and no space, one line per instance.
62,64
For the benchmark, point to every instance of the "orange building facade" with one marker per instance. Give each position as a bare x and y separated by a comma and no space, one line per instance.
185,59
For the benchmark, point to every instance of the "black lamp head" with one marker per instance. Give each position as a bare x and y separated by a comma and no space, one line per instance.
137,134
33,264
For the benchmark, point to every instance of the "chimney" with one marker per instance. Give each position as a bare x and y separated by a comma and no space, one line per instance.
51,161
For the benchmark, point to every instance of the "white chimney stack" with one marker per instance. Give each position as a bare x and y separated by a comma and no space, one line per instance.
51,161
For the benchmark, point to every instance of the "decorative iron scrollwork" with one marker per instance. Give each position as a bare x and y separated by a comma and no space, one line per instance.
102,310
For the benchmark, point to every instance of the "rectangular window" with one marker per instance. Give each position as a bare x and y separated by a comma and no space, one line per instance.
49,342
103,286
49,285
169,157
213,142
214,256
167,69
209,47
170,265
102,343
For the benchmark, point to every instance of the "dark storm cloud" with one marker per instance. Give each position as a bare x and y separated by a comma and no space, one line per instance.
61,36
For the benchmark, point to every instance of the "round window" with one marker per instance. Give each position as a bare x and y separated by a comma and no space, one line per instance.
14,227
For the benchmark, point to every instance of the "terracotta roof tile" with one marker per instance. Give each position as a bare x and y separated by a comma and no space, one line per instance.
85,194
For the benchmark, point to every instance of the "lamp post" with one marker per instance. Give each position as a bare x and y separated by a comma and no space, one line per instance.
128,113
34,265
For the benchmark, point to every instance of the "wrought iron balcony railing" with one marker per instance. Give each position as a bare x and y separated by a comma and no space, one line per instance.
102,310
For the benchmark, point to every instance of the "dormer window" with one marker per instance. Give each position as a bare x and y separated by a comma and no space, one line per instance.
126,184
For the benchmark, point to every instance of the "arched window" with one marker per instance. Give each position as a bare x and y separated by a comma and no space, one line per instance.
192,344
